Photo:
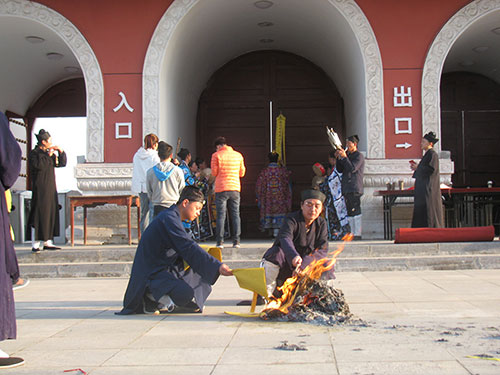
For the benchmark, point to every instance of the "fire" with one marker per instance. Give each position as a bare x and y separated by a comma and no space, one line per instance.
300,280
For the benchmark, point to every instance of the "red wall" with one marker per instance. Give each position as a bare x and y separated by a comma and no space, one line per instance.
119,32
405,30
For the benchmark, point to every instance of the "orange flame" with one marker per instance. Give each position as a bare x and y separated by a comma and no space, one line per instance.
313,271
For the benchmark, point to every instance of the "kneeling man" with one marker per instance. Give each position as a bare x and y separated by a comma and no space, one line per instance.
159,279
302,238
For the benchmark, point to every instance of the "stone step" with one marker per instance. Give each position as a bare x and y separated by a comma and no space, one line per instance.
254,251
413,263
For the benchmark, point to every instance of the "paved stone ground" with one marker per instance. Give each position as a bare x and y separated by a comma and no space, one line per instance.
418,322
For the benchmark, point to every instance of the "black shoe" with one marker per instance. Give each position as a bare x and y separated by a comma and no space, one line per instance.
150,307
247,302
220,245
236,244
45,247
190,308
36,251
11,362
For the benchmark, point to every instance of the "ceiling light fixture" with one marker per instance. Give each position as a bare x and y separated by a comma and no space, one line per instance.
466,63
496,30
71,69
34,39
263,4
266,40
265,24
54,56
481,49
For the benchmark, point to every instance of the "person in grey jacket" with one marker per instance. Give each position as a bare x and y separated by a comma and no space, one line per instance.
164,181
352,165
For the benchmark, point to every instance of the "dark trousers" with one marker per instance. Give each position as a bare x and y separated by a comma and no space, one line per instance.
231,200
158,209
353,203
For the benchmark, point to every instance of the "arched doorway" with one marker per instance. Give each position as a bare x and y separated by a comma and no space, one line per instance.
470,127
235,104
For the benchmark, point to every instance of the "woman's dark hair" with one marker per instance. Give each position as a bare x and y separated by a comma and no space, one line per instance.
183,153
273,157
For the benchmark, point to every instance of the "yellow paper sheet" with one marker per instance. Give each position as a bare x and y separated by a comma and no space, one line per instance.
253,279
213,251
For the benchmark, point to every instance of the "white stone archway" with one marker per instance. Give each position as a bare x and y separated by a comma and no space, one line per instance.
434,62
352,14
86,58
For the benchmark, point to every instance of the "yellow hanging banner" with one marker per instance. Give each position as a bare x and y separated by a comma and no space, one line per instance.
280,138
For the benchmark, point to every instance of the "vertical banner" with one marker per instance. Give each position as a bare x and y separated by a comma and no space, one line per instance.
280,138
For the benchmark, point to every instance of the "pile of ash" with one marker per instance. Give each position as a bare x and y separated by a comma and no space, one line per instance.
315,302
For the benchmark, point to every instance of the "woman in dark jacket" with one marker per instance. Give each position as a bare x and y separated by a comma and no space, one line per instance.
428,207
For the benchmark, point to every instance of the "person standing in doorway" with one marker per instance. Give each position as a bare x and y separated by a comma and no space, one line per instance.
10,165
44,214
428,207
351,164
274,195
227,167
145,158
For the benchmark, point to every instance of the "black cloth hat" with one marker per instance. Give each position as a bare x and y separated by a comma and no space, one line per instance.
353,138
312,194
431,137
42,135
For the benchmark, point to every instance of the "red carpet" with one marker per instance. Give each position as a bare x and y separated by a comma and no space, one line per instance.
470,234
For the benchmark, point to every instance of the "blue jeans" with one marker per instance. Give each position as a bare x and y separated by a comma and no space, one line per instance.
231,199
146,211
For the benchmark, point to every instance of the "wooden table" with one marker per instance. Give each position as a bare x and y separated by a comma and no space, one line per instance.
87,201
463,207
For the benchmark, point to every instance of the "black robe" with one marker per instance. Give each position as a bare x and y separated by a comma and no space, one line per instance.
159,263
10,165
293,240
44,213
428,206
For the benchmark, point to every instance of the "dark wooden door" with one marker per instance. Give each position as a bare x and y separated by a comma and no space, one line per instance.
235,104
470,127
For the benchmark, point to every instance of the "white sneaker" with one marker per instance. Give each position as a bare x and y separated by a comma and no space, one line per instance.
166,304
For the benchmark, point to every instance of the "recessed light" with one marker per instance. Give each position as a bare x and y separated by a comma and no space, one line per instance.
54,56
263,4
481,49
266,40
71,69
265,24
34,39
496,30
466,63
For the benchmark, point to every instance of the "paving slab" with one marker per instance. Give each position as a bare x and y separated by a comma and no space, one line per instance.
412,322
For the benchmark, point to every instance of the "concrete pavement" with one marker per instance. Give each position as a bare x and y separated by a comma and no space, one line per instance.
418,322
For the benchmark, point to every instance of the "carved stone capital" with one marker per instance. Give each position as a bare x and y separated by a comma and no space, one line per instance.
104,178
86,58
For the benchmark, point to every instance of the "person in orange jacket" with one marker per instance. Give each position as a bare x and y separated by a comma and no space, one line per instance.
227,167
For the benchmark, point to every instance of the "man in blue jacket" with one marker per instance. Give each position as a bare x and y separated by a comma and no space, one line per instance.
159,281
352,166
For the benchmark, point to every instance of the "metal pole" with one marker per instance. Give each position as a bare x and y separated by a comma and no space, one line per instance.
271,126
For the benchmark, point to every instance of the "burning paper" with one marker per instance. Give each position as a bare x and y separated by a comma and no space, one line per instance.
307,298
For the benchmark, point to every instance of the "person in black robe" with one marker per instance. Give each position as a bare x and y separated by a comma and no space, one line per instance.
428,206
302,238
44,213
352,166
160,280
10,165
